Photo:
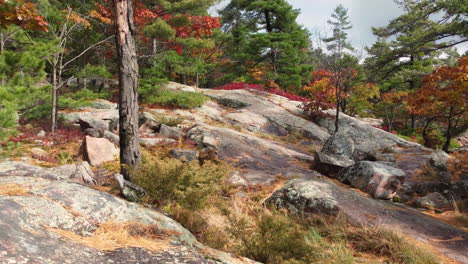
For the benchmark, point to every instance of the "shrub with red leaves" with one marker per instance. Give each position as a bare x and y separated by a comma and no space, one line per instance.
62,136
258,87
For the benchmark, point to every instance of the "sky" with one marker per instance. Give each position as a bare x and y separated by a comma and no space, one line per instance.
363,14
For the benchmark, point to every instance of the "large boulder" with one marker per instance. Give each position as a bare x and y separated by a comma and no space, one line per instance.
98,150
336,154
298,196
378,179
99,120
168,131
49,221
433,200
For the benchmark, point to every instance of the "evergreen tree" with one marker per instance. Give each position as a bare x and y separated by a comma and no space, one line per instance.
338,43
265,33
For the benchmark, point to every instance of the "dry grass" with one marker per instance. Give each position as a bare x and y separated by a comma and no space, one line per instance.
11,189
112,236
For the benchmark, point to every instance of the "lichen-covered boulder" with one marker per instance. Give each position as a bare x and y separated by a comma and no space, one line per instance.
336,154
378,179
300,196
433,200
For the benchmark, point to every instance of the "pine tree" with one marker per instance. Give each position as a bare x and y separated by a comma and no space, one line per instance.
338,43
266,32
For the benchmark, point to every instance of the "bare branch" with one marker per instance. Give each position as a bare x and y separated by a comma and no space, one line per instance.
86,50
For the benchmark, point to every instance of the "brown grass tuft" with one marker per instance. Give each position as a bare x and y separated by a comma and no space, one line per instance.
12,189
112,236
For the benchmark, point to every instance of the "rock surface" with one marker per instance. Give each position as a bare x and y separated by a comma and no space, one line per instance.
99,150
262,107
185,155
336,154
48,221
260,161
313,196
378,179
433,200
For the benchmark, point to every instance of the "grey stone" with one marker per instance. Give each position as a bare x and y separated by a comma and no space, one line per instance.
170,131
440,160
432,200
300,196
378,179
111,137
185,155
92,132
151,142
178,87
38,152
42,133
336,154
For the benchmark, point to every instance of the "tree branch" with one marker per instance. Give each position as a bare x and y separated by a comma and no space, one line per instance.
86,50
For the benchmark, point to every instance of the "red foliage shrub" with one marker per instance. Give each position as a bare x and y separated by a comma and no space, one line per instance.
259,87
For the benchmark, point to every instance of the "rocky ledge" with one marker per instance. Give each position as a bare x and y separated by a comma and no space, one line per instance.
47,218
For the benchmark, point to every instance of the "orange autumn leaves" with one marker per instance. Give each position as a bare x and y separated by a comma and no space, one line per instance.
20,13
444,92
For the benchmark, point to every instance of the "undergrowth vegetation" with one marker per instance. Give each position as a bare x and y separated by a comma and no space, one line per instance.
234,220
190,185
153,94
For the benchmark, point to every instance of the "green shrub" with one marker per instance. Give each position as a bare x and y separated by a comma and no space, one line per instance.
151,92
189,184
89,95
8,120
181,99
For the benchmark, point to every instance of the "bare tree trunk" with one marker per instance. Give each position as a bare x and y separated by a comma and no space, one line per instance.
53,114
128,84
2,48
155,46
448,135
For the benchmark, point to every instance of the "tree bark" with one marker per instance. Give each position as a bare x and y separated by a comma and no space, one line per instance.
2,47
448,135
53,114
130,156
